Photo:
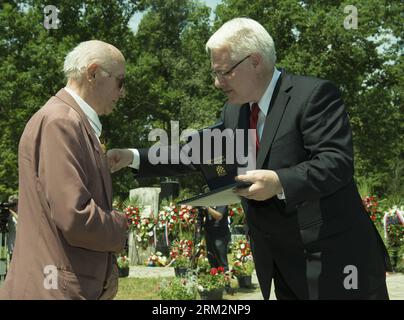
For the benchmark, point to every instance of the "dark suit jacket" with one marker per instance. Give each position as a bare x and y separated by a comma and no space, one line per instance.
322,227
65,217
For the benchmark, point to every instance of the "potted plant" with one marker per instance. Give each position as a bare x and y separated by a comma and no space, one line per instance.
237,218
211,285
181,265
243,270
156,260
123,266
178,289
180,253
243,265
203,265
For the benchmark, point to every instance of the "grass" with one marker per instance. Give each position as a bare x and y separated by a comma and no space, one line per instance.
148,289
139,288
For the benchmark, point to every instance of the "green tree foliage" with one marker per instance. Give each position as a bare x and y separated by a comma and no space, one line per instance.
168,69
31,61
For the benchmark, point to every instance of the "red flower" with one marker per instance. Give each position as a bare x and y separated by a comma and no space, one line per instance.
213,271
220,269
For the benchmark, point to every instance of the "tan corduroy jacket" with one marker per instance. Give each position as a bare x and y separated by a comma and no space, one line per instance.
67,231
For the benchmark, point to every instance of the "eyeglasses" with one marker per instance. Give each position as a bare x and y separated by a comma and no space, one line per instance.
121,81
223,74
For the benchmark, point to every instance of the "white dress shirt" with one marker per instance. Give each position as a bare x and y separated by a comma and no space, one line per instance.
265,101
91,115
264,106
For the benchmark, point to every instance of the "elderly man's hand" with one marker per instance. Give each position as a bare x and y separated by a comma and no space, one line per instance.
265,185
119,158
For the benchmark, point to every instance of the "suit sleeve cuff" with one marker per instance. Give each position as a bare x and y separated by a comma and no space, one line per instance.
136,159
281,196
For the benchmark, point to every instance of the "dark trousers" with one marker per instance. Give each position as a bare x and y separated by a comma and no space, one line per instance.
284,292
297,275
216,246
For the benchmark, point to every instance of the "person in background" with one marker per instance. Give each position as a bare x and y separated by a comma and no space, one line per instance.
217,236
12,224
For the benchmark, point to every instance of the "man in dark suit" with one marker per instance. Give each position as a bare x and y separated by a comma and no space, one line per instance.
309,231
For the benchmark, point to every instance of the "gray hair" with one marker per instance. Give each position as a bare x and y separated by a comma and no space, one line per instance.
86,53
244,36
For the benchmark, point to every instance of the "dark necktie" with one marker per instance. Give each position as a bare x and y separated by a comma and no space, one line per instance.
255,109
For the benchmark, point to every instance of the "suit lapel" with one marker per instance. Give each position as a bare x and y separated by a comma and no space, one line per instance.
279,101
98,154
236,116
244,118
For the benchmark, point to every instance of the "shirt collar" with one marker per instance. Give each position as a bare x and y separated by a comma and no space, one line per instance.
266,98
91,115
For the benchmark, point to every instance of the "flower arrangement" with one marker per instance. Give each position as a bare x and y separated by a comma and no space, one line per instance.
123,262
167,218
393,222
177,222
216,278
236,214
156,260
178,289
144,231
241,249
243,264
143,228
371,205
243,268
133,215
203,264
188,216
181,252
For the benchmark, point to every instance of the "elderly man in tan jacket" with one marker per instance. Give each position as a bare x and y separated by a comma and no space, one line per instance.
67,230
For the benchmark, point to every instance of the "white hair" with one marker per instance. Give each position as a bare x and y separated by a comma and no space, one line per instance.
244,36
86,53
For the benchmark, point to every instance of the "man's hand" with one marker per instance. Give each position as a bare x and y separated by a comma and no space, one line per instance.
265,185
119,158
